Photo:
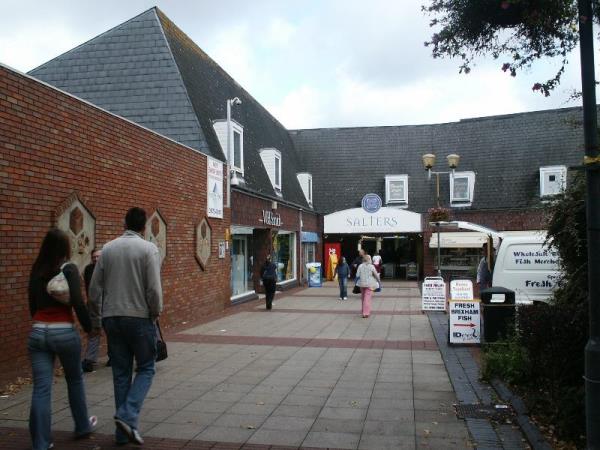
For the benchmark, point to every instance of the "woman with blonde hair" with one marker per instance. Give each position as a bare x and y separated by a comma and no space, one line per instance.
368,281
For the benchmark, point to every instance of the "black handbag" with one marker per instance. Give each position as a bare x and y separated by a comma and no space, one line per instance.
161,345
356,288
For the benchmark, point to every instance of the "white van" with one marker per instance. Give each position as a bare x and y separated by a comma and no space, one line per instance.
523,263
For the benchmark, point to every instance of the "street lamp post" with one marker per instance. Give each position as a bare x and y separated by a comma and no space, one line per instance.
428,163
230,163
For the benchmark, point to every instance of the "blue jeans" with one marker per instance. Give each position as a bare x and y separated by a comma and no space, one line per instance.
43,346
343,287
129,338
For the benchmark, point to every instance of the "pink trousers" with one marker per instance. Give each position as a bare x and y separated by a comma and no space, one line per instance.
366,294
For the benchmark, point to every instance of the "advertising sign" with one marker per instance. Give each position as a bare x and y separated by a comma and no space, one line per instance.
434,294
465,322
461,290
214,188
314,274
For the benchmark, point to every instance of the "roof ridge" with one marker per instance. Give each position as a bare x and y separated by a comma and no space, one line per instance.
162,16
91,40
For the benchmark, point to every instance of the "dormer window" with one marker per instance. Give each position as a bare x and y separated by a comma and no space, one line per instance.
462,186
235,154
396,189
271,159
305,180
278,171
553,180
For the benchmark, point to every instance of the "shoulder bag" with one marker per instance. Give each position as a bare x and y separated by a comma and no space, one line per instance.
58,288
161,345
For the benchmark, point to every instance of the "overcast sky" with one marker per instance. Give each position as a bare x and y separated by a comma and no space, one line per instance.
311,63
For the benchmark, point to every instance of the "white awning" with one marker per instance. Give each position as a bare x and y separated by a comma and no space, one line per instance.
385,220
460,240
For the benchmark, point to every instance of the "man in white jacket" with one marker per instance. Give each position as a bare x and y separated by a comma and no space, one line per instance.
126,293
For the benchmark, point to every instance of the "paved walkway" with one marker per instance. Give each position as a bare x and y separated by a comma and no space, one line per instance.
310,373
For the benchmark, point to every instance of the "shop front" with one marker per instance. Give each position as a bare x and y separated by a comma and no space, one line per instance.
394,234
261,227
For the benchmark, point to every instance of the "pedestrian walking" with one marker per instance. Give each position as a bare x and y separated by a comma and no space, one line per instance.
484,276
343,273
368,282
93,342
378,262
268,274
53,334
357,262
126,292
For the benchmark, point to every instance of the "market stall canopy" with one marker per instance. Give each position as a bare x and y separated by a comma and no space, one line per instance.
460,239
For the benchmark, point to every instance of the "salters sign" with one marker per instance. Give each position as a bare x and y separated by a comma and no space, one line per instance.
383,220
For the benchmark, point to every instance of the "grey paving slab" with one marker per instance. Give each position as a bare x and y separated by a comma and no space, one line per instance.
276,437
282,395
369,441
323,439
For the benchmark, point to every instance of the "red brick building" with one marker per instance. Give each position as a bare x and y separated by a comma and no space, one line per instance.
61,154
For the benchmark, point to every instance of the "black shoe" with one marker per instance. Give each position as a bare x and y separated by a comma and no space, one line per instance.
87,365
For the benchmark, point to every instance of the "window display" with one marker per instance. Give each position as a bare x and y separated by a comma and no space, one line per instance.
284,255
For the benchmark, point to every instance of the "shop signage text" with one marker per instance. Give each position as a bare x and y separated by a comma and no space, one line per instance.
271,218
433,294
465,322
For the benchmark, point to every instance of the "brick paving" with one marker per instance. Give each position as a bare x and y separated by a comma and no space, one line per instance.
313,375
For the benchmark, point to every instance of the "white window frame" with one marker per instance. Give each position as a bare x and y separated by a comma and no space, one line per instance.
470,176
305,180
394,178
277,170
236,128
547,171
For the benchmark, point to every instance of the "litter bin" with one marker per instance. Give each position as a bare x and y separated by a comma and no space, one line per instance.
498,313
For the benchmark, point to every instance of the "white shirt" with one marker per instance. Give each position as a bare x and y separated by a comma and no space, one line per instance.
377,259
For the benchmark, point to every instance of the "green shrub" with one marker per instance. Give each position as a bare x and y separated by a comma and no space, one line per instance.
506,360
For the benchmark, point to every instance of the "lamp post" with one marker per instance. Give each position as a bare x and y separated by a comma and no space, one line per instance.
428,163
230,163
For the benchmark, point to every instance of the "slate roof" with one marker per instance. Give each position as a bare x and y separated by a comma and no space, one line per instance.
129,71
148,71
505,152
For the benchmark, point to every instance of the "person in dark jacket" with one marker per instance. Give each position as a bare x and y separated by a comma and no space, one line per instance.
268,274
343,273
53,334
357,262
93,343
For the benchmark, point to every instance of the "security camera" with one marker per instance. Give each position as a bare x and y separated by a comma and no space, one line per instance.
236,101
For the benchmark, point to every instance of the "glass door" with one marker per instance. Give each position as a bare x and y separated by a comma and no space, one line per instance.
239,274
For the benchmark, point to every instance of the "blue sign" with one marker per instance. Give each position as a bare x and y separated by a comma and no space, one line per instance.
371,203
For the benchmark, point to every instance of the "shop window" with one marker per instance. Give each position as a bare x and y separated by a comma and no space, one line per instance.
553,180
284,255
462,186
242,264
305,180
396,189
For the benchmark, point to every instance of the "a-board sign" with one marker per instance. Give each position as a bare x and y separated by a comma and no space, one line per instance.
461,290
433,294
465,321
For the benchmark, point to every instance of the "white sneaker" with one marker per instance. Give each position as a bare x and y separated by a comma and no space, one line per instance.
345,298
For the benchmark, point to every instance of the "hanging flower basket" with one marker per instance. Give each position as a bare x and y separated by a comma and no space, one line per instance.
438,214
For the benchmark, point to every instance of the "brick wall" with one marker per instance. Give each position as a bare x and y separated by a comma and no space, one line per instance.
500,220
52,145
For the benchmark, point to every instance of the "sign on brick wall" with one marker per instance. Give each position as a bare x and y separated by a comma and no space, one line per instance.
215,188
